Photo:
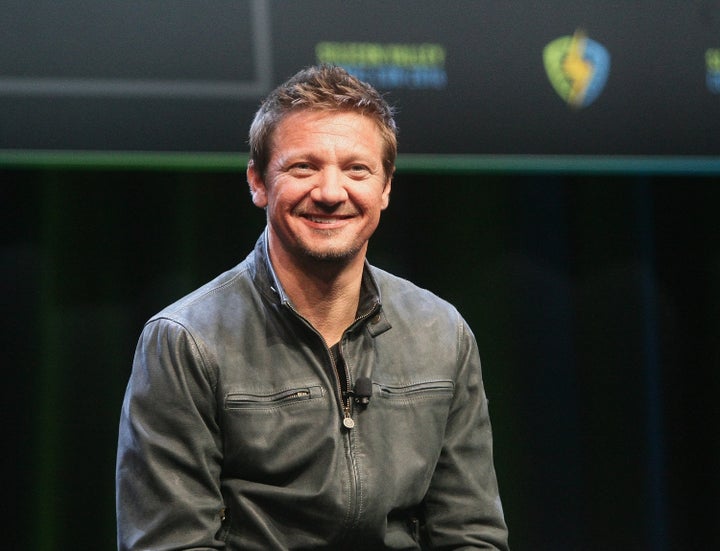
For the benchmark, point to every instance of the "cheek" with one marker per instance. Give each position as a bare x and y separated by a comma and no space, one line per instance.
283,200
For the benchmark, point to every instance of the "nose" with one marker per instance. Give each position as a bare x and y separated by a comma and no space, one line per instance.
330,187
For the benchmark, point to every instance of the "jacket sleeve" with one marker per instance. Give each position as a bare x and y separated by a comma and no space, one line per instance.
462,506
169,447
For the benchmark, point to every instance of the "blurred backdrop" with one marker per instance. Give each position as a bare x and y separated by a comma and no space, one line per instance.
575,227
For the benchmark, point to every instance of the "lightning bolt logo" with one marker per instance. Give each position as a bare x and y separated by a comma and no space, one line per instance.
577,68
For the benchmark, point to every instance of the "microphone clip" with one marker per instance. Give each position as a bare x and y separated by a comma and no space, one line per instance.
362,392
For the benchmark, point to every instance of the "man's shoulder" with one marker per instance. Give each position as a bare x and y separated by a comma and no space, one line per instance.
222,292
400,293
419,318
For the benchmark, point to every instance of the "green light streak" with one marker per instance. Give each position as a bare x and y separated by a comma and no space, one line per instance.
48,409
461,164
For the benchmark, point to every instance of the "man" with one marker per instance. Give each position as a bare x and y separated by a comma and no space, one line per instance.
305,399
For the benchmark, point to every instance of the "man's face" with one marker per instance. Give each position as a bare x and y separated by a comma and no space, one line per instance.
324,187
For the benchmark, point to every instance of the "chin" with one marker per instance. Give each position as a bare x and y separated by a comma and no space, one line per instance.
339,256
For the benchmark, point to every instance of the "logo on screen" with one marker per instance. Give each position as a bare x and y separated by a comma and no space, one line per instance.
577,67
389,66
712,61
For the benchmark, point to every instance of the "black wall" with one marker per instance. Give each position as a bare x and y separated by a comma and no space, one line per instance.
595,300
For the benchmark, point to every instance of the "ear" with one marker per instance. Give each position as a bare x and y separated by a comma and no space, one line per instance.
258,191
386,192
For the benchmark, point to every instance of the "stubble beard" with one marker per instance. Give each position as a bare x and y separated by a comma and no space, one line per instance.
333,255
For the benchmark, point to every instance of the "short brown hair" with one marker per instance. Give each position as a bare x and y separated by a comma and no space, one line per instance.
321,88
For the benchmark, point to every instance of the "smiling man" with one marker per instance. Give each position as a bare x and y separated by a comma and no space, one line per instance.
306,399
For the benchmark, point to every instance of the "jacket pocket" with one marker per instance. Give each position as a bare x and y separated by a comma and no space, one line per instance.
412,390
237,400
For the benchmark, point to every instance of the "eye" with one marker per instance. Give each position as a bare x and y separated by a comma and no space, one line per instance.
301,169
358,170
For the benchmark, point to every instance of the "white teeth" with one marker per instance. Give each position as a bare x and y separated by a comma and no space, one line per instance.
321,220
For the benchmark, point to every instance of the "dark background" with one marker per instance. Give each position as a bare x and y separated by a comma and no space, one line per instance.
595,301
592,282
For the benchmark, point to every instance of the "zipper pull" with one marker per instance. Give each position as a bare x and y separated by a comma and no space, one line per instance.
348,422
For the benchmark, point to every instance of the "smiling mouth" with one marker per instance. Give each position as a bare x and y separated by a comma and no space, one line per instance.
326,219
322,220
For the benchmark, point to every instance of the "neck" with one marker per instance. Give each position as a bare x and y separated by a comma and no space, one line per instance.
325,294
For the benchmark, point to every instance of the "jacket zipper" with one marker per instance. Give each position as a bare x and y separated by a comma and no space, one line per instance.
343,394
348,421
345,401
240,401
345,404
403,391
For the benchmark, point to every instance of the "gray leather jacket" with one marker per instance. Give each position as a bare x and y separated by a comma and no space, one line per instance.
232,432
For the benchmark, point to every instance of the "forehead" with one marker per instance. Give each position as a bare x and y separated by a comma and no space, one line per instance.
311,128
